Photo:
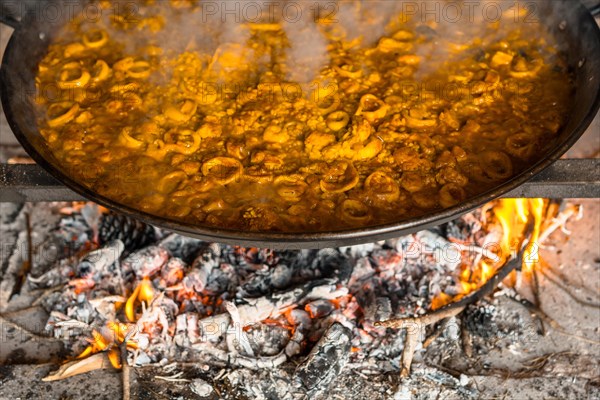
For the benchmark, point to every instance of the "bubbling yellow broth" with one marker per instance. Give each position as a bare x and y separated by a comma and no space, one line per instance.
297,126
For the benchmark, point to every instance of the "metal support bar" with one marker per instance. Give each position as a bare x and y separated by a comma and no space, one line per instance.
577,178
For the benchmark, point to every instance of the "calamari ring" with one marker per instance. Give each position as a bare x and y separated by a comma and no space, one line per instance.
139,70
354,212
223,170
521,145
171,182
451,194
349,71
341,177
184,146
124,64
73,76
95,39
127,140
61,113
521,69
73,49
381,186
416,123
369,150
337,120
101,71
372,108
496,165
290,187
259,174
335,103
183,113
159,150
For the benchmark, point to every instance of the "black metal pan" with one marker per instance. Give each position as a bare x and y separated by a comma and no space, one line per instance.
569,20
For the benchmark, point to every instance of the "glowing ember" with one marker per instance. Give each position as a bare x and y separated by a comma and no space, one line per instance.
143,292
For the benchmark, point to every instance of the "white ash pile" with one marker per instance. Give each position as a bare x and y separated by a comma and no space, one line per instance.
184,300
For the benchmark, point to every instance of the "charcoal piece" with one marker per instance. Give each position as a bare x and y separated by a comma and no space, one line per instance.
133,233
182,247
145,262
480,320
96,262
326,360
319,308
258,285
281,276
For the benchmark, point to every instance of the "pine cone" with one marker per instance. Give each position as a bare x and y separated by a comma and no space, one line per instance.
480,320
133,233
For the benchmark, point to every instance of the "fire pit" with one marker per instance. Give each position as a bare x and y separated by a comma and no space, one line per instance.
499,303
108,301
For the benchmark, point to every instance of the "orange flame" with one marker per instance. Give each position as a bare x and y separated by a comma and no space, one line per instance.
513,216
99,342
143,292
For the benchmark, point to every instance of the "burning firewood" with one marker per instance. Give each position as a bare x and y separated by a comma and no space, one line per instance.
72,368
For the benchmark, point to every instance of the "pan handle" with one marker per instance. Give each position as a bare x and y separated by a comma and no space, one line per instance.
9,14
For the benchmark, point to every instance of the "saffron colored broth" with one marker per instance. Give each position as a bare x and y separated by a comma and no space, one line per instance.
297,126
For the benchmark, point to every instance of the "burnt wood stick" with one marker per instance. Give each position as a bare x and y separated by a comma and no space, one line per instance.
455,308
326,360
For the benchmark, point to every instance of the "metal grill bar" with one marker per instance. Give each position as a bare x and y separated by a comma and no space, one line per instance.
577,178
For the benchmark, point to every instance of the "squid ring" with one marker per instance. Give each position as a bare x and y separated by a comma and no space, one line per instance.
496,165
129,141
521,145
340,177
171,182
61,113
73,49
73,76
123,64
101,71
337,120
354,212
259,174
183,113
335,103
139,70
290,187
185,147
372,108
522,70
451,194
349,71
382,186
223,170
95,39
